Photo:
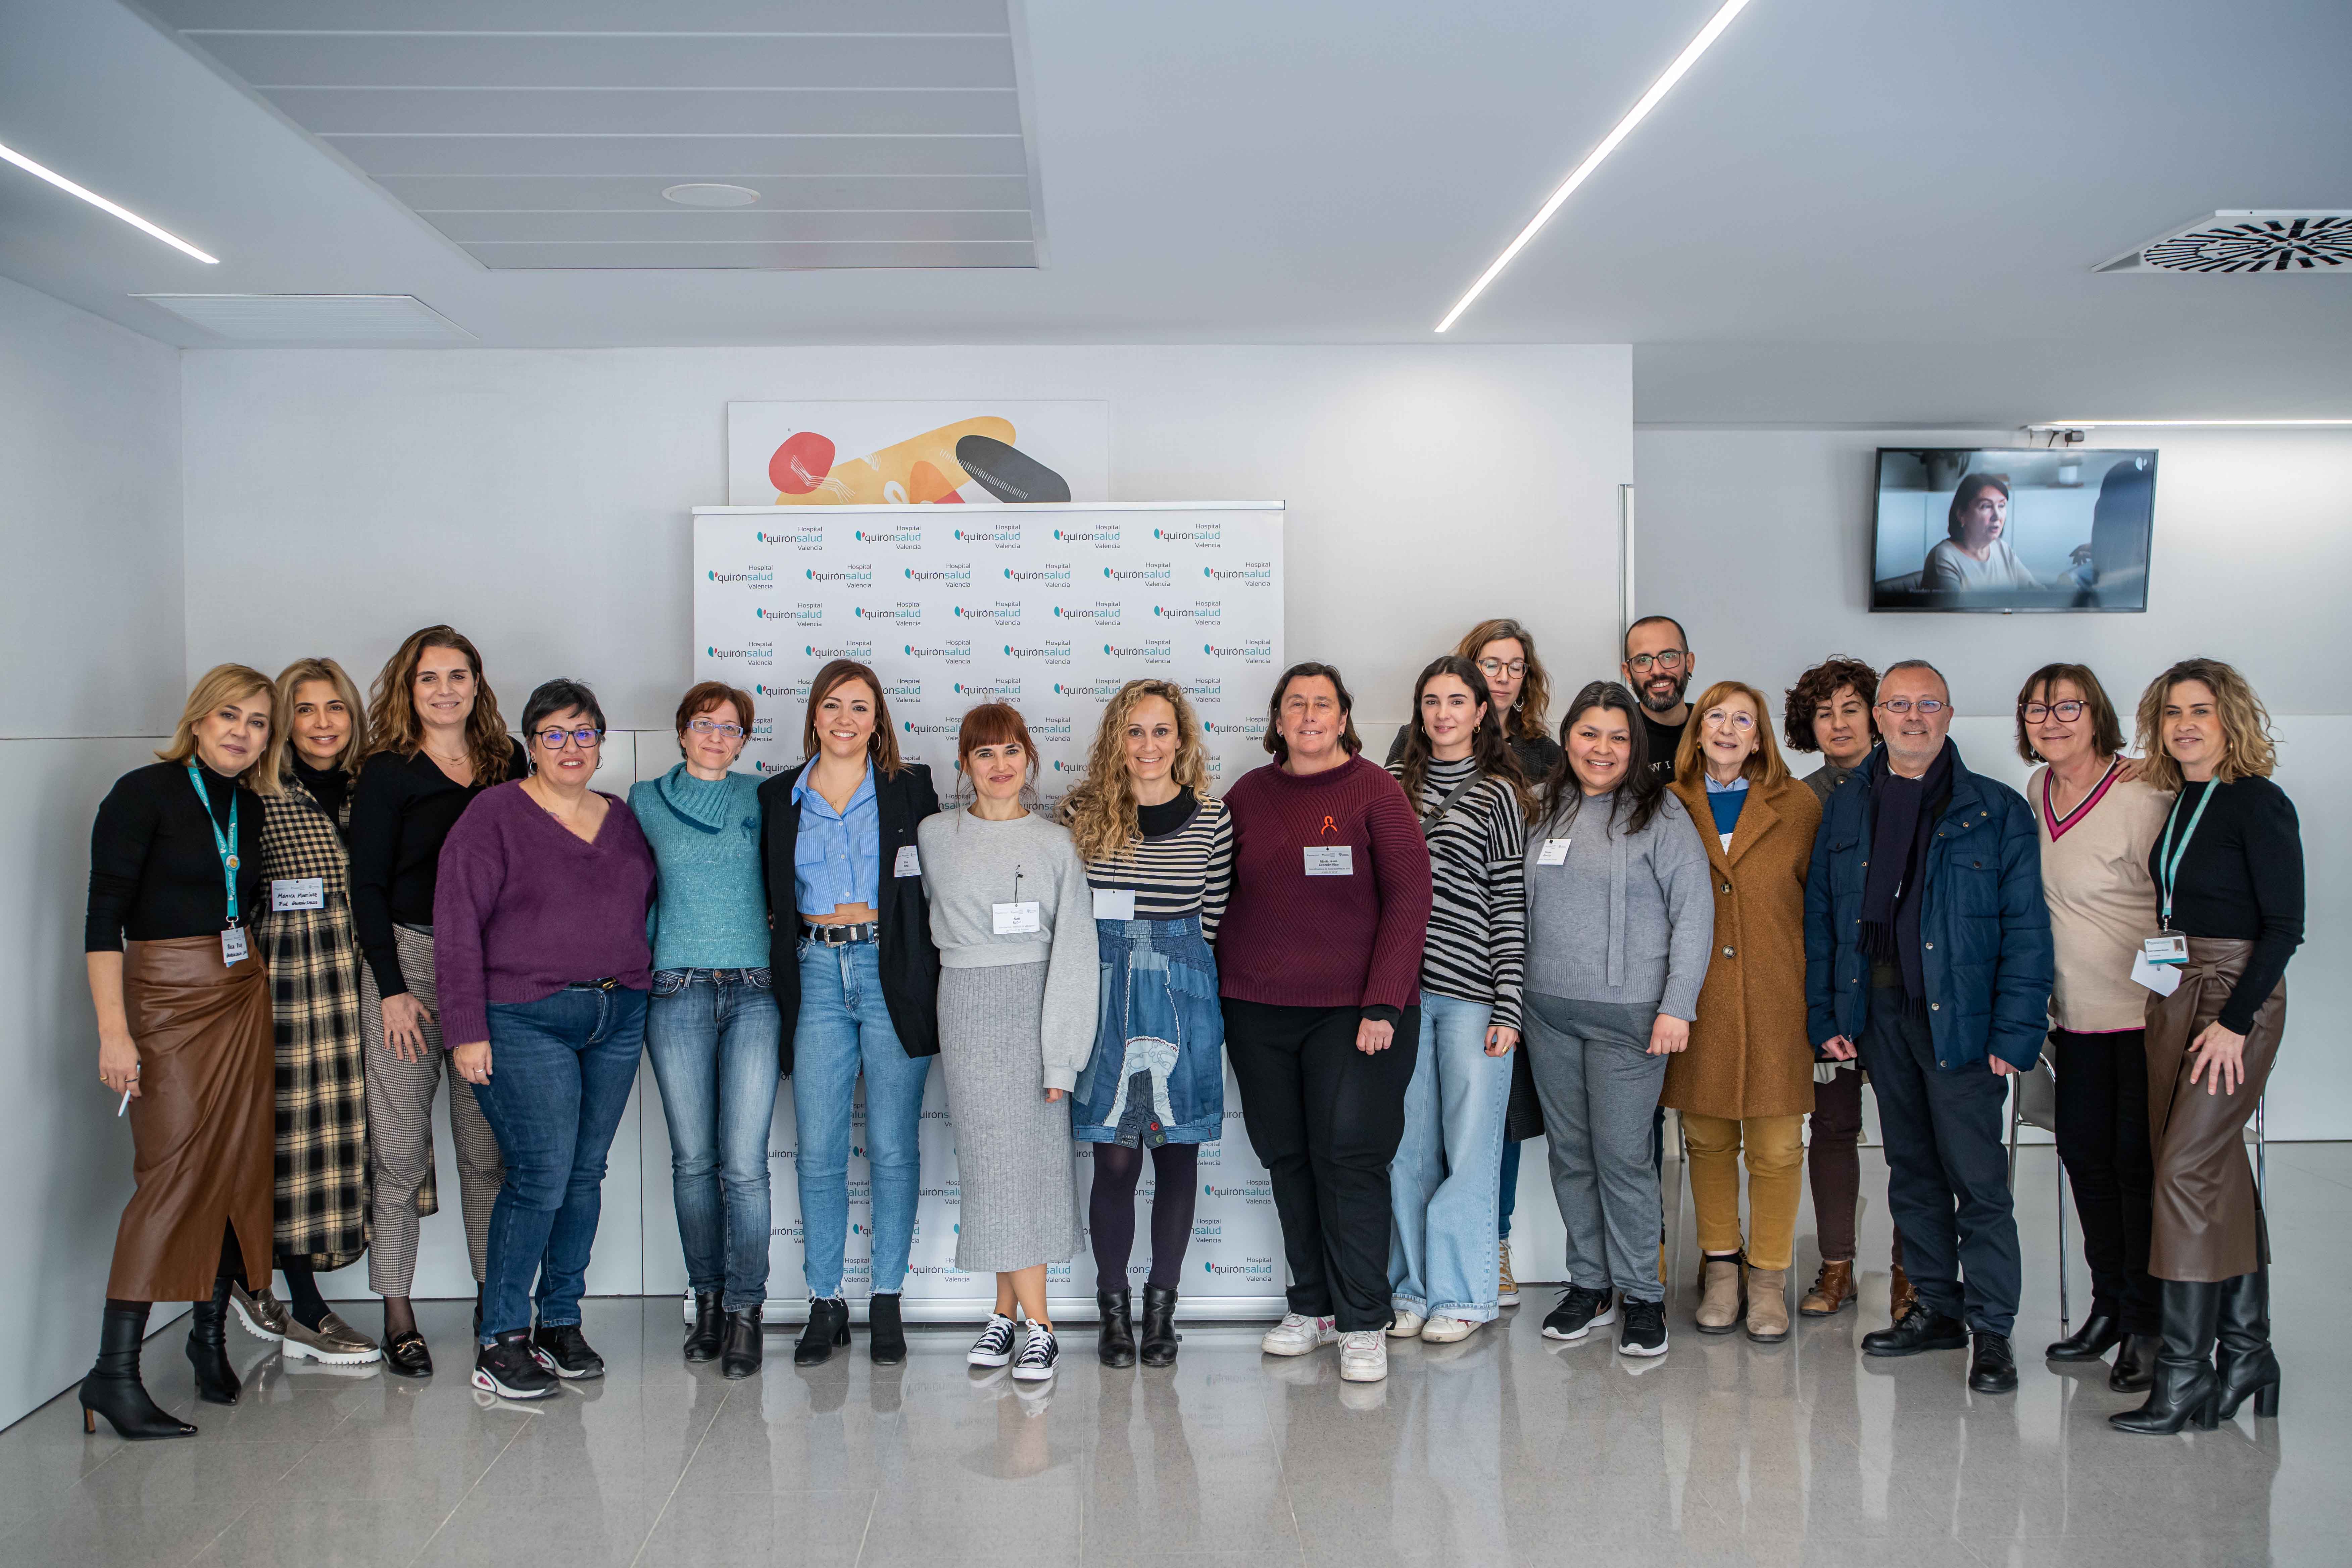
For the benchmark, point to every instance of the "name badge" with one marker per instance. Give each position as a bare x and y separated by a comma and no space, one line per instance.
2170,948
909,862
2164,979
1114,903
1017,920
1553,853
1330,859
297,893
232,946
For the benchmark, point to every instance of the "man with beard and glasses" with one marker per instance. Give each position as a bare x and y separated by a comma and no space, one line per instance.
1657,669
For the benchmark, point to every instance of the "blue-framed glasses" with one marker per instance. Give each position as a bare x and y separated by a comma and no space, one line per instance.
553,740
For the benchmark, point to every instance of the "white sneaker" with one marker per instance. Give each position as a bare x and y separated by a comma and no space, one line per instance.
1039,1355
1363,1356
1406,1325
994,1346
1444,1331
1295,1335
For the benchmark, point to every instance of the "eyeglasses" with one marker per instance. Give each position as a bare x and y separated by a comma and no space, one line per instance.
1737,718
1903,707
1515,670
1671,659
553,740
2064,712
705,727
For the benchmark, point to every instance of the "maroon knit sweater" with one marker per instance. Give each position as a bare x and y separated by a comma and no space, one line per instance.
1296,940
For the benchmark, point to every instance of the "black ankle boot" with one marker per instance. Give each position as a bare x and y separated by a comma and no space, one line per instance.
2100,1332
1159,1335
828,1326
886,1339
710,1327
2185,1388
1117,1344
2135,1369
2243,1359
216,1381
113,1390
746,1343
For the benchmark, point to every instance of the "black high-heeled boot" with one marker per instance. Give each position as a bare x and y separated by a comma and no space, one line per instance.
113,1390
2135,1368
746,1343
2243,1359
1116,1345
2185,1388
828,1327
216,1380
1159,1335
710,1327
886,1334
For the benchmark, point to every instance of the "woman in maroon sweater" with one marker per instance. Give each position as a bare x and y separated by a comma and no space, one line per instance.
1318,959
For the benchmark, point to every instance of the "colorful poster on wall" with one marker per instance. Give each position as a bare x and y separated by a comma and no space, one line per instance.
978,453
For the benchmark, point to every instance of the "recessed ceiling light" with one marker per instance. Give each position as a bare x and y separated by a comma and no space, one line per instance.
701,194
102,204
1633,116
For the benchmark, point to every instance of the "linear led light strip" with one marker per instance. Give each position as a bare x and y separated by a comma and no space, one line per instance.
2139,424
94,199
1633,116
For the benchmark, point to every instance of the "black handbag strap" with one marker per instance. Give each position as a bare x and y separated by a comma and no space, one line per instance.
1430,820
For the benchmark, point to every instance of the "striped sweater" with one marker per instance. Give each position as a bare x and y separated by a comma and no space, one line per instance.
1187,868
1476,947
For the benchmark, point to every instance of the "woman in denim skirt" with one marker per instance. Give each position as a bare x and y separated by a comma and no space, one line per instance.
1159,850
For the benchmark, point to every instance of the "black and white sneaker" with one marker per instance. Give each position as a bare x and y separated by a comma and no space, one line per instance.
994,1346
1644,1333
1039,1355
564,1349
508,1368
1579,1311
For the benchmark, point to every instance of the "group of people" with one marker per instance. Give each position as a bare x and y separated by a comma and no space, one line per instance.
1508,931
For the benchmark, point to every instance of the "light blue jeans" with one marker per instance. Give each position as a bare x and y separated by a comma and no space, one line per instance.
711,1034
1444,1185
844,1030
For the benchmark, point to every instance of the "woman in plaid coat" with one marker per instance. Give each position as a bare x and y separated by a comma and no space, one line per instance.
312,955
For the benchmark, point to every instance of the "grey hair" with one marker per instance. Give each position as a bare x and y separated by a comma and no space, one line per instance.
1917,664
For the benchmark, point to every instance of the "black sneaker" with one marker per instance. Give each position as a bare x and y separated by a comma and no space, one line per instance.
508,1368
564,1349
994,1346
1040,1354
1644,1333
1579,1311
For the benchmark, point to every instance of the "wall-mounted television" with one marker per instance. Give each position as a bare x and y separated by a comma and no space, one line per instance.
2004,529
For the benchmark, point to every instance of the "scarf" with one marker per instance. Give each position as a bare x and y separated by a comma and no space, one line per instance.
1908,810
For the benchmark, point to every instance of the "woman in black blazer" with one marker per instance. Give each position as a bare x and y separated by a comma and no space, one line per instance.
856,981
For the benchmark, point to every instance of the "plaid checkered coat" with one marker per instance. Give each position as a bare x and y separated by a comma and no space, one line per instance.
314,972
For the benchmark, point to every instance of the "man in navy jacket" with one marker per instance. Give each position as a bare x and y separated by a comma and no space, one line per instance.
1928,951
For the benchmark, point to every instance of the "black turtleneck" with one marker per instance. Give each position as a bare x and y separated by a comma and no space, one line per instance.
1159,821
329,787
154,869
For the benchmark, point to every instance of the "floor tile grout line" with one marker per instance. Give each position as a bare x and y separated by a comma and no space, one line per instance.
520,1428
866,1533
699,1439
1281,1464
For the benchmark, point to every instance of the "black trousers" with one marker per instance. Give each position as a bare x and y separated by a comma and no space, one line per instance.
1324,1120
1947,1169
2102,1141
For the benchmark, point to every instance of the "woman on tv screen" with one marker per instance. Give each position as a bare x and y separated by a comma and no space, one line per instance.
1976,557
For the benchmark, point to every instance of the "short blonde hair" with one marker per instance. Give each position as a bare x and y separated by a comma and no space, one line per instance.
2248,747
1763,767
225,683
281,728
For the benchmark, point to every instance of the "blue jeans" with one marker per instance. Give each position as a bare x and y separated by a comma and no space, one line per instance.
1158,1020
560,1072
1445,1185
712,1036
843,1028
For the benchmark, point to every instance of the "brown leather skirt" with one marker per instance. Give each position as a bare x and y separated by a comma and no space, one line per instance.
204,1128
2206,1225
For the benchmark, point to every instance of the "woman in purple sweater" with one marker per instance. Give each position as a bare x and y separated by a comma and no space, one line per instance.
538,940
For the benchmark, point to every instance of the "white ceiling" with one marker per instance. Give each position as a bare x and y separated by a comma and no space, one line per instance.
1848,211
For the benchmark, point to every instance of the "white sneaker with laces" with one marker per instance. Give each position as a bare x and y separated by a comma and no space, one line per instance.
1039,1355
1363,1356
1407,1324
1442,1330
1297,1335
994,1346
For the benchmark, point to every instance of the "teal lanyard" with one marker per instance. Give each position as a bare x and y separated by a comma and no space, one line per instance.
2167,859
226,843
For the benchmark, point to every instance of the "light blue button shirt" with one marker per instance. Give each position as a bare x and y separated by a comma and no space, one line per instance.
838,858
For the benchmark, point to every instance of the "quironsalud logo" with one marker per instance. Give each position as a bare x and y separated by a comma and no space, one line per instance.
1050,571
896,533
1102,612
1199,534
1151,573
1098,690
906,611
1256,650
1199,612
856,649
1001,612
947,573
1005,689
799,614
750,577
798,691
850,574
1097,534
1249,573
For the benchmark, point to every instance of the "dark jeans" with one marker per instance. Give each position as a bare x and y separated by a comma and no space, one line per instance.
2102,1141
1324,1120
560,1072
711,1034
1508,1198
1947,1169
1833,1165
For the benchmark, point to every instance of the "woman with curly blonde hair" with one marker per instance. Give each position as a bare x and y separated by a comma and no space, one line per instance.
1159,852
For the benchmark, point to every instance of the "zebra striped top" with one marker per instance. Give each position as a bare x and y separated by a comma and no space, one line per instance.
1476,948
1188,868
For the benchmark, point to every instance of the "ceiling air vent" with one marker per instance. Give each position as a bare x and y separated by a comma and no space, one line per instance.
2247,242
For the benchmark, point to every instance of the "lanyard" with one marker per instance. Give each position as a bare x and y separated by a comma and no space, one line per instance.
226,843
2168,860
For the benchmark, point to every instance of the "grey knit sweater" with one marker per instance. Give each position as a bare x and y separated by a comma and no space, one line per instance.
970,866
1626,918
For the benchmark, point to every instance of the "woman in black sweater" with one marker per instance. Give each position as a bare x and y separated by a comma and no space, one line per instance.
2229,879
183,1036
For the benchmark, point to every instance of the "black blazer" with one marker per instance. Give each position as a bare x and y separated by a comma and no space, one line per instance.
911,964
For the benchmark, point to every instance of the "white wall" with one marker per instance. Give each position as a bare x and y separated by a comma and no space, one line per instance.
1758,541
91,639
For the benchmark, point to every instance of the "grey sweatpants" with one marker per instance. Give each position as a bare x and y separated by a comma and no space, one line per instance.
1599,1090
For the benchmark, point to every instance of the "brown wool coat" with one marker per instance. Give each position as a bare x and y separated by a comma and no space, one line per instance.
1749,1055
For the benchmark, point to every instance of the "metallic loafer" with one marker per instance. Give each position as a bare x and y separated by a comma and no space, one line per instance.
334,1342
265,1317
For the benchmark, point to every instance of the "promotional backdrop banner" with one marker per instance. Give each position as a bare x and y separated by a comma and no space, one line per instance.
1050,608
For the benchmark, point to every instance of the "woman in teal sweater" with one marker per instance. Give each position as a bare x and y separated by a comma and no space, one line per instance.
711,1026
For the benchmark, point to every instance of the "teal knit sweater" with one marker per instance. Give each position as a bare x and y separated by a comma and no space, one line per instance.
711,911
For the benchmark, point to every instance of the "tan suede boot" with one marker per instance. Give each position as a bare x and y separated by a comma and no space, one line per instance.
1768,1305
1720,1303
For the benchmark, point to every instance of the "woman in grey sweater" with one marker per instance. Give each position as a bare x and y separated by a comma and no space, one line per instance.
1013,920
1621,919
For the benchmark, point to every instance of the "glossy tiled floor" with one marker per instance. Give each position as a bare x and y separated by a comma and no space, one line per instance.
1504,1448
